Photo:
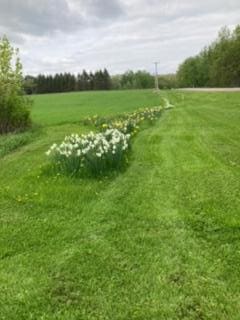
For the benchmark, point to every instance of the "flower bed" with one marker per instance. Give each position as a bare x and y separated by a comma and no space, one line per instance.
93,153
126,123
97,153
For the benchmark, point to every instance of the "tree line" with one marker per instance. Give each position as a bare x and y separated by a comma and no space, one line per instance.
66,82
100,80
217,65
142,80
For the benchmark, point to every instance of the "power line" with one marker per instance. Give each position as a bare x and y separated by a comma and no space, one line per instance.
156,76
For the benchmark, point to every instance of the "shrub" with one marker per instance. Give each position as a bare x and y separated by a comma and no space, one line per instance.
91,153
14,111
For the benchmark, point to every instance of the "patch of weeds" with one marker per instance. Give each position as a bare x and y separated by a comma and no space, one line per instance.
191,309
12,142
64,291
177,278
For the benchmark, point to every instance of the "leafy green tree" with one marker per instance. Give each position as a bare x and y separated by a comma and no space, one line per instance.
187,73
128,80
143,80
116,82
167,81
216,66
134,80
29,85
14,106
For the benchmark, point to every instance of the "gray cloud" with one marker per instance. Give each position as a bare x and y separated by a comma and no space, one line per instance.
69,35
98,9
48,16
37,18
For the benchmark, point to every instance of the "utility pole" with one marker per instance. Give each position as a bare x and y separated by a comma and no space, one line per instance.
156,76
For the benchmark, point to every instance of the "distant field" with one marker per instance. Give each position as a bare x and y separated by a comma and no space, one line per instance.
71,107
159,241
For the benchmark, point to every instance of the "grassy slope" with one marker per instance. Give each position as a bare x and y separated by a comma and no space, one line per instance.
62,108
160,241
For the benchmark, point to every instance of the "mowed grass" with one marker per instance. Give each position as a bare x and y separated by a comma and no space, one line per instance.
159,241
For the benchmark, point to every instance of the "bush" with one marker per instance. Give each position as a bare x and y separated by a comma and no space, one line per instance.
14,106
91,153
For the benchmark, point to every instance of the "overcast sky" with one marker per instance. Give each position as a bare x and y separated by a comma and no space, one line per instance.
69,35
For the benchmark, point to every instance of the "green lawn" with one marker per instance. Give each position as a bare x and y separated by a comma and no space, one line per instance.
63,108
159,241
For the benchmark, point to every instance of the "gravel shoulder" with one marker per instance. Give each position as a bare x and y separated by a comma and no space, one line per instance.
210,89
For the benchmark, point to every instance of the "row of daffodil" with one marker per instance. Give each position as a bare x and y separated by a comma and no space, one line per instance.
95,153
126,123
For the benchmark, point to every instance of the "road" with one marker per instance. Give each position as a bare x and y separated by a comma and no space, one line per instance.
211,89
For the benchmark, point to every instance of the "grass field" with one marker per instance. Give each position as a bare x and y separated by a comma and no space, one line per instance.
159,241
51,109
